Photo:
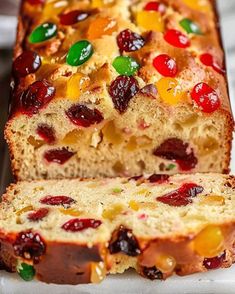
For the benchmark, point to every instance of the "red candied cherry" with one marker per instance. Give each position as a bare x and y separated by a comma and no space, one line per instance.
205,97
158,178
122,89
57,200
35,2
38,214
214,262
177,39
73,17
182,196
83,116
208,60
26,63
59,156
77,225
29,245
47,133
155,6
129,41
165,65
36,97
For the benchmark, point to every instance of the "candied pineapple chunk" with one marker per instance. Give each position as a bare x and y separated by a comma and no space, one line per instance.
150,21
76,85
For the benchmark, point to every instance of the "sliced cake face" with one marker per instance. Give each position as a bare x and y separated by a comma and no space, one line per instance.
109,88
158,225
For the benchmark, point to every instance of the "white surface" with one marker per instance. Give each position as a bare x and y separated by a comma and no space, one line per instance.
216,282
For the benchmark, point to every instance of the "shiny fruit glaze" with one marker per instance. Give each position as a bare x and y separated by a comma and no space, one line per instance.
100,27
47,133
28,62
73,17
77,225
129,41
208,60
125,65
122,89
25,271
158,178
59,156
170,91
83,116
182,196
79,53
98,272
165,263
190,27
43,33
57,200
214,262
38,214
155,6
165,65
205,97
152,273
177,39
150,21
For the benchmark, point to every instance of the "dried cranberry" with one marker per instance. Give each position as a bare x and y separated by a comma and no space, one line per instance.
205,97
29,245
182,196
214,262
159,179
121,90
35,2
175,149
124,241
177,39
83,116
36,96
47,133
129,41
155,6
165,65
38,214
73,17
208,60
59,156
77,225
57,200
28,62
152,273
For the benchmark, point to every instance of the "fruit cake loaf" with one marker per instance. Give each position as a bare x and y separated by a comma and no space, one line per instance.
75,231
118,87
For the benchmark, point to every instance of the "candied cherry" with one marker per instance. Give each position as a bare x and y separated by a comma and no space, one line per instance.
38,214
36,97
125,65
152,273
208,60
57,200
83,116
25,271
178,151
29,245
214,262
205,97
73,17
182,196
165,65
79,53
124,241
47,133
177,39
190,27
150,21
35,2
43,33
59,156
122,89
158,178
28,62
129,41
100,27
170,91
77,225
155,6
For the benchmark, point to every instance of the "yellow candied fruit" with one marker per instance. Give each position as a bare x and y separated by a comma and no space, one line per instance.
101,3
113,211
201,5
144,192
165,263
98,272
73,137
25,209
76,85
70,211
111,134
170,91
134,205
34,142
54,7
150,21
213,200
209,242
100,27
134,142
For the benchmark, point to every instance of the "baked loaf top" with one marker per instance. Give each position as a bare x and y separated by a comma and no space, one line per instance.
186,217
101,53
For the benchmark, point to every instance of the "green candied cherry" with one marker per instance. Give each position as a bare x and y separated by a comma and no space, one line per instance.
25,271
190,27
79,53
125,65
43,33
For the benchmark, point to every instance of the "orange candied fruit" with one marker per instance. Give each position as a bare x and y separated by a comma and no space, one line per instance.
111,133
34,142
134,205
113,211
70,211
165,263
73,137
100,27
150,21
213,200
209,242
200,5
98,272
170,91
101,3
76,85
25,209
